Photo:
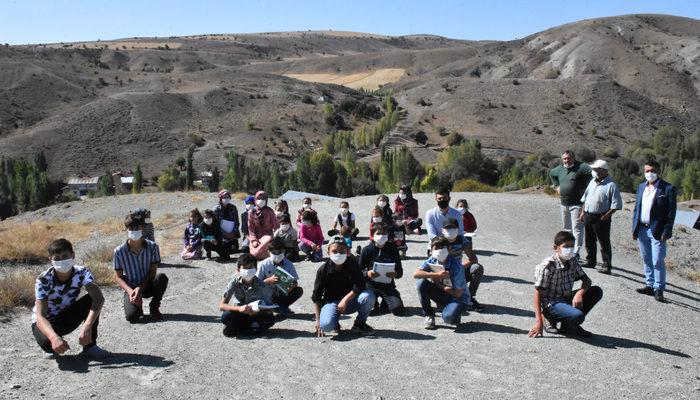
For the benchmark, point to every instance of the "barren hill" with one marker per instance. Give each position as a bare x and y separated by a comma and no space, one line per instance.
602,83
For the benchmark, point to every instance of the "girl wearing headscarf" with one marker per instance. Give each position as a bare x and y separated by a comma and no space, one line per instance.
262,223
406,207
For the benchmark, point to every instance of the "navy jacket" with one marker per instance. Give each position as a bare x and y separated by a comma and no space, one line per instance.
663,210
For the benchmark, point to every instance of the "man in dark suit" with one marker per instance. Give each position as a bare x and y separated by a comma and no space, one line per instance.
652,226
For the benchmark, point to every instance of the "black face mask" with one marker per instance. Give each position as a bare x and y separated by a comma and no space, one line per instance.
443,204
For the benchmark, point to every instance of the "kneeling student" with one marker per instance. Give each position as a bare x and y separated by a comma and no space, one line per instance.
555,301
284,284
246,317
473,271
381,250
58,311
441,279
340,289
136,272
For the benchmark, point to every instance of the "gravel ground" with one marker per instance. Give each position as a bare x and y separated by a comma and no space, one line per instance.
488,356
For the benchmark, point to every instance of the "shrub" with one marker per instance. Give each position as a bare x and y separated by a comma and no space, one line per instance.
421,137
196,139
472,185
250,125
454,139
307,100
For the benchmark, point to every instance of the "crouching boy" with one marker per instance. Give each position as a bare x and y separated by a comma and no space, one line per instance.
555,301
58,311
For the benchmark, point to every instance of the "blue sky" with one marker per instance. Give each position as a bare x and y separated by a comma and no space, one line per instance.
46,21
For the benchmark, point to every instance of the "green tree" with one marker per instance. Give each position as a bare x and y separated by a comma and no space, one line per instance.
40,162
276,183
189,180
214,181
105,185
323,170
138,180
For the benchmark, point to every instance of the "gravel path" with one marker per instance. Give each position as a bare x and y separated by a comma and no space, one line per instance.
643,349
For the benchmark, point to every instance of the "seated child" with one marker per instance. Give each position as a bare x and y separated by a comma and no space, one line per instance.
344,218
193,237
266,273
447,288
457,246
148,229
289,238
306,206
381,250
242,318
555,300
311,236
211,234
282,208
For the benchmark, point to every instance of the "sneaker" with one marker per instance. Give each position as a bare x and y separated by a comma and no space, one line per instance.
475,306
659,296
647,290
588,265
362,328
605,270
96,352
550,326
155,313
429,323
208,255
284,311
229,331
358,251
402,253
49,355
417,231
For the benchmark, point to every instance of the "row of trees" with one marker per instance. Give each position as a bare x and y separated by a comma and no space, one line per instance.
24,185
364,137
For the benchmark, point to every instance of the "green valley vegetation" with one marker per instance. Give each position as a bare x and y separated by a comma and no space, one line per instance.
24,185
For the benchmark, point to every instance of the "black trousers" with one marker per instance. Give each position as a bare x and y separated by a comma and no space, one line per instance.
218,248
238,323
66,322
287,300
154,290
390,298
597,231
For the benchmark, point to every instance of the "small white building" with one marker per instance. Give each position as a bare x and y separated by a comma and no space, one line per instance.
127,183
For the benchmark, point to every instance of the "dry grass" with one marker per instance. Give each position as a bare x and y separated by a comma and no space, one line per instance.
27,242
17,289
110,226
368,80
100,263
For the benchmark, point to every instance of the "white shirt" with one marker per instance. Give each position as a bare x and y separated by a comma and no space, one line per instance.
647,201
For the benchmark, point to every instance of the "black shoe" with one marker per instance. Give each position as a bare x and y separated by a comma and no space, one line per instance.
208,255
155,313
605,270
659,296
587,265
646,290
362,328
229,331
358,251
475,306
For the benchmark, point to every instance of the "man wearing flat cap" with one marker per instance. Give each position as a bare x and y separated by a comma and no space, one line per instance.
600,201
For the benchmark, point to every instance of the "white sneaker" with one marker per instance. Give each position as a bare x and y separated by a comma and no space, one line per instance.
97,352
430,323
48,355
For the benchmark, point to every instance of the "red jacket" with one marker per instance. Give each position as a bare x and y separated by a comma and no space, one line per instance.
407,209
469,222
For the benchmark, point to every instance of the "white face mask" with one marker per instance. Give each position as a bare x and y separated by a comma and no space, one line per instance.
307,206
261,203
248,206
247,274
594,174
376,219
567,253
450,234
440,254
381,203
147,220
277,258
402,196
208,221
338,259
307,223
285,227
461,210
651,177
134,235
380,240
279,213
225,201
344,211
63,266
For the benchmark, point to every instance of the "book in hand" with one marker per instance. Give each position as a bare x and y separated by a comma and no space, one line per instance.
439,268
227,226
208,238
260,305
286,280
470,234
382,269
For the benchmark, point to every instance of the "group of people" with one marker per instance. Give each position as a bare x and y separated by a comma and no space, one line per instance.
364,283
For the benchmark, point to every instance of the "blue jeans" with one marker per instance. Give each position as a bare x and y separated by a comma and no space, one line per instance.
362,304
653,254
316,256
452,309
570,315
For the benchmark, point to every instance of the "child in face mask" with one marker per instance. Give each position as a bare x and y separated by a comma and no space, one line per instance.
378,217
249,204
468,219
311,236
192,241
246,288
58,311
211,234
227,214
289,238
458,245
555,301
266,273
344,218
306,206
282,209
381,250
454,298
339,289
